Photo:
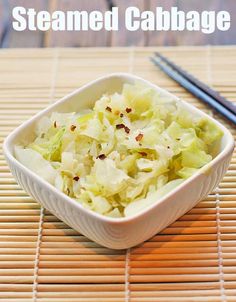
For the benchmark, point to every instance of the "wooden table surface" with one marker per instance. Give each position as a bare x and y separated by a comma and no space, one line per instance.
10,38
44,260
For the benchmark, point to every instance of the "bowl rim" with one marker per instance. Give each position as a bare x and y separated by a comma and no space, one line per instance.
8,145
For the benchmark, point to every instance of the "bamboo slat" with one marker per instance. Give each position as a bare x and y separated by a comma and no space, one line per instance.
194,259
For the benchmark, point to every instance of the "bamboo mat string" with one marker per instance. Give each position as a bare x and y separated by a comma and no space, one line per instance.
54,74
217,195
127,272
209,73
37,255
219,248
131,59
55,60
128,251
209,64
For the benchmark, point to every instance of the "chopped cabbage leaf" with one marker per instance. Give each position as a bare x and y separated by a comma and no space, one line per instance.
209,132
35,162
140,204
111,179
186,172
195,158
50,149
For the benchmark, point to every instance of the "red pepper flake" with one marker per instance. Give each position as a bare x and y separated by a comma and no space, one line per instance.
76,178
128,110
139,137
120,126
121,115
55,124
108,109
101,156
143,153
127,130
72,127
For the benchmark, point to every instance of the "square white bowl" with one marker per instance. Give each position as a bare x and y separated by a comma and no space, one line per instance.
123,232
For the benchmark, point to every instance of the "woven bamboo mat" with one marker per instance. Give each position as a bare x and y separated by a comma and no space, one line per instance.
41,259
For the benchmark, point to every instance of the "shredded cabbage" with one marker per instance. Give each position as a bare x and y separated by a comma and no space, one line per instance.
123,155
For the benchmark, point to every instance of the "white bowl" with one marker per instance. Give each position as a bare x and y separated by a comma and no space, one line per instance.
123,232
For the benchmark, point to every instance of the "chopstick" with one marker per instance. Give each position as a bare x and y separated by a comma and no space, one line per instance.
197,88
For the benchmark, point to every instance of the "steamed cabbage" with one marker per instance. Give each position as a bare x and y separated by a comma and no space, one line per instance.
123,155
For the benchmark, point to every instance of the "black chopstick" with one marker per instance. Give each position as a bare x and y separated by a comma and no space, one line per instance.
208,90
195,90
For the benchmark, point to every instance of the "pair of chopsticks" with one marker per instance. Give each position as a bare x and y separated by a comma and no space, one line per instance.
196,87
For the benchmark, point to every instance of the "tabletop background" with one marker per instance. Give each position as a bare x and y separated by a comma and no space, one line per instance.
44,260
10,38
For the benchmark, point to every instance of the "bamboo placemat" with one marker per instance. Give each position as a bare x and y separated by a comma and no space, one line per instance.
41,259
